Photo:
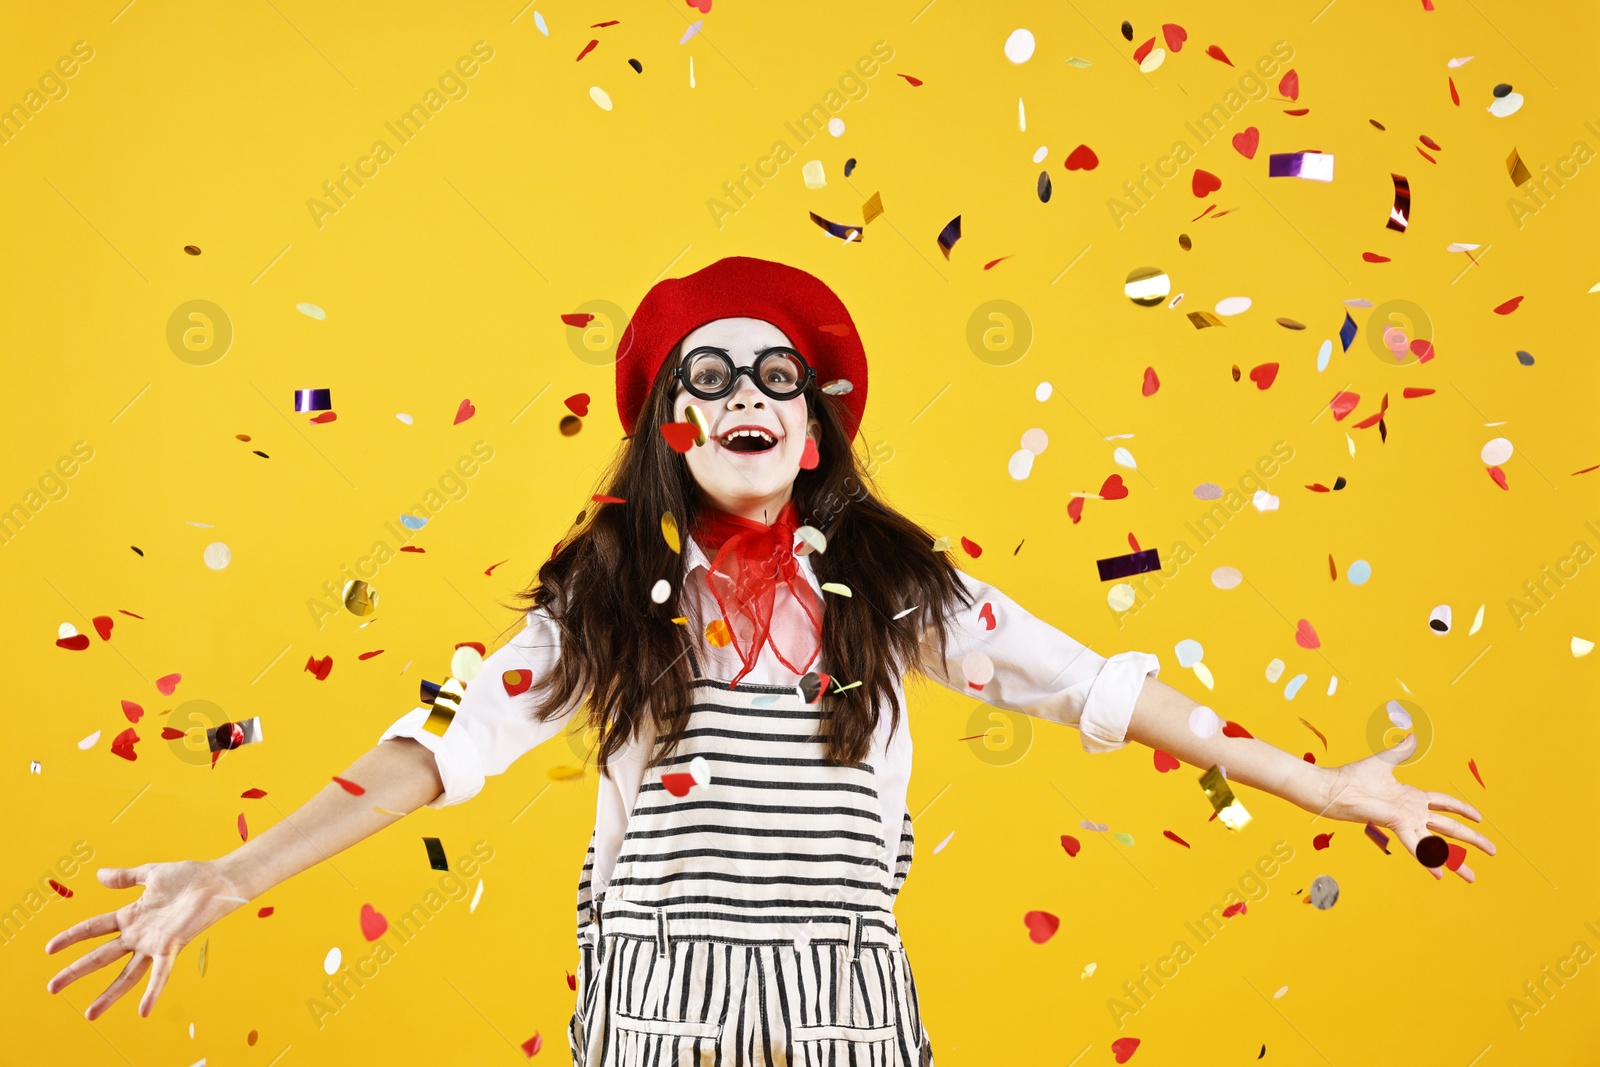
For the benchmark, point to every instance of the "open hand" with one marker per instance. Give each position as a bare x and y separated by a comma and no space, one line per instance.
179,900
1366,791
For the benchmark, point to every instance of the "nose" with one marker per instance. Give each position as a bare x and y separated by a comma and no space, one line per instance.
746,395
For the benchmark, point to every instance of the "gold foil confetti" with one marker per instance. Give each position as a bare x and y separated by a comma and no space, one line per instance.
1226,805
360,598
717,633
669,530
693,414
1517,169
1202,319
872,208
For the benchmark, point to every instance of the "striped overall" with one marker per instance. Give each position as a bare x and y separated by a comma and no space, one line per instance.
749,923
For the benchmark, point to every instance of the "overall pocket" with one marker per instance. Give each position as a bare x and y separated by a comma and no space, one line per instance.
858,997
652,980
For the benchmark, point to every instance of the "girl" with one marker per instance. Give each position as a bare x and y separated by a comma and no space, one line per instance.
737,898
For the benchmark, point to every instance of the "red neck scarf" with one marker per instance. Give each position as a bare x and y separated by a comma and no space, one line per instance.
758,585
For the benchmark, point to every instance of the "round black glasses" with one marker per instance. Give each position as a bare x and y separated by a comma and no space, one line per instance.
710,374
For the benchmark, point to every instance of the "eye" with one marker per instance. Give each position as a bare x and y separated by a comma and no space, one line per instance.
1439,619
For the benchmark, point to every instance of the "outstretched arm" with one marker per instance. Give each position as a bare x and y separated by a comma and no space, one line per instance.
1363,791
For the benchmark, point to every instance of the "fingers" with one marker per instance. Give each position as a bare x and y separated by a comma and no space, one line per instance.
1446,802
100,924
93,961
1398,754
137,965
160,967
122,877
1466,873
1443,824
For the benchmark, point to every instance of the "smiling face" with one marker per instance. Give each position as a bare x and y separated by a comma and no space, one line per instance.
745,475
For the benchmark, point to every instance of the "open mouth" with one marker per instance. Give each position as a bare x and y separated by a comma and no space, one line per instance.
748,442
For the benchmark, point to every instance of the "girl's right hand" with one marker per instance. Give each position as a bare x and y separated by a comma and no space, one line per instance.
179,901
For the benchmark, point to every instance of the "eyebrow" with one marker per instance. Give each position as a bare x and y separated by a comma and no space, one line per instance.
759,352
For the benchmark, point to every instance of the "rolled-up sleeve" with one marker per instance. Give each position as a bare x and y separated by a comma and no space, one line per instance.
1038,669
491,729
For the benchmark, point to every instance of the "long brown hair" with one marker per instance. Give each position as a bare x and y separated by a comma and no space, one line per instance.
627,655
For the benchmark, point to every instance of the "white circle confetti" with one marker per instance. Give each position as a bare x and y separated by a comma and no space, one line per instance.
1120,596
330,963
1020,465
1233,305
218,555
1042,393
1036,441
600,97
660,591
1226,577
836,126
1019,46
1203,722
1496,452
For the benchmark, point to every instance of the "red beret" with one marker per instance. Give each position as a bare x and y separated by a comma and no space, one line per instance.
806,310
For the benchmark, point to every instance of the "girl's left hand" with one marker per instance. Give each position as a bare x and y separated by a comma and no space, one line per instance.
1366,791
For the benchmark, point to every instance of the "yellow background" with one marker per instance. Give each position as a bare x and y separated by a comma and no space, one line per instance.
443,279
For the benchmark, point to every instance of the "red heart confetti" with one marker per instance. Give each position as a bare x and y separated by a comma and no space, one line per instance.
1219,55
1170,836
60,889
1042,926
1472,765
572,981
1165,761
587,49
464,412
1422,349
122,744
477,646
809,457
531,1047
1133,542
1499,477
1264,375
250,794
264,912
325,417
1289,85
1455,97
319,667
702,6
1070,844
1205,183
1233,729
102,626
1113,489
1343,403
170,733
244,829
130,614
1151,382
364,656
1373,257
677,783
986,613
75,643
133,711
349,787
1075,509
411,548
1411,392
516,682
1457,856
972,548
579,320
913,81
992,262
1305,636
837,329
373,924
1247,142
1235,909
1123,1047
1082,158
1509,306
1175,36
578,404
1321,841
1143,50
680,436
167,683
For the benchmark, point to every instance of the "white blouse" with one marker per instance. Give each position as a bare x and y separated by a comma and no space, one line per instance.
1038,670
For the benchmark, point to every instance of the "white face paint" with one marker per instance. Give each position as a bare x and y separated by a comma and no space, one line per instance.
753,484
